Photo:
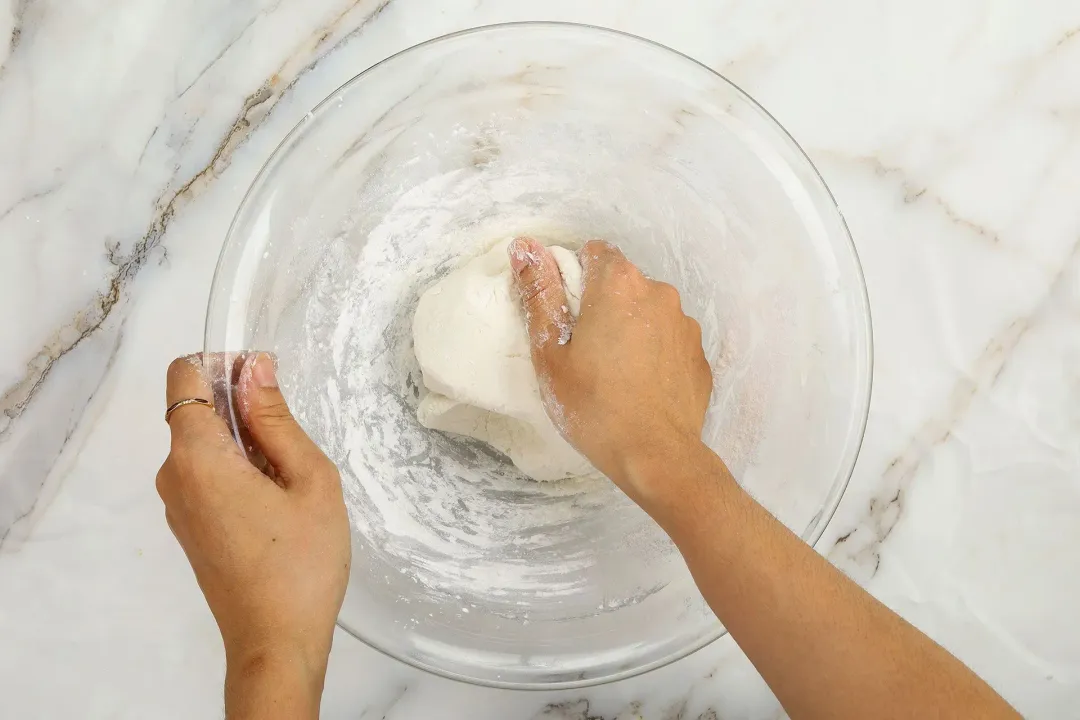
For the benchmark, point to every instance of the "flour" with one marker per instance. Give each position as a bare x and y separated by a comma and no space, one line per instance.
454,519
442,521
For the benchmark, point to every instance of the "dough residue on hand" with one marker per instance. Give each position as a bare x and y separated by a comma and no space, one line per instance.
470,339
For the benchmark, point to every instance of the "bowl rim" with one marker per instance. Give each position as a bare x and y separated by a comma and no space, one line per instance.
817,525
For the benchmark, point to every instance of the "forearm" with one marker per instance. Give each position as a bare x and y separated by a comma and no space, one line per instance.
825,647
272,685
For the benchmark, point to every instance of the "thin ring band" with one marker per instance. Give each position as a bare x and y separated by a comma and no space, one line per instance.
189,401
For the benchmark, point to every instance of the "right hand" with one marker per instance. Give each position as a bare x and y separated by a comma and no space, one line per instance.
630,390
632,385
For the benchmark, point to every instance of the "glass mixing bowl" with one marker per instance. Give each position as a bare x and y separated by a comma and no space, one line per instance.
462,566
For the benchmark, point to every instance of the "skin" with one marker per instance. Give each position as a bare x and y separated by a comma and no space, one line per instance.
269,542
824,646
270,548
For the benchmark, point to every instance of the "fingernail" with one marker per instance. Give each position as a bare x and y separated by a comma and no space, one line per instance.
522,254
264,372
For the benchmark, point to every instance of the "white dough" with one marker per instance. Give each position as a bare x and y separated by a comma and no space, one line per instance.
470,340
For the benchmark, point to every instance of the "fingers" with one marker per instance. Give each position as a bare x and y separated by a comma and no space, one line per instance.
602,262
606,271
297,460
186,379
543,297
597,256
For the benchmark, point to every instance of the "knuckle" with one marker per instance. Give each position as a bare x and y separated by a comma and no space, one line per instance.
596,255
525,278
180,366
161,482
535,293
595,250
173,480
274,415
326,468
667,292
183,469
626,274
180,454
705,370
322,477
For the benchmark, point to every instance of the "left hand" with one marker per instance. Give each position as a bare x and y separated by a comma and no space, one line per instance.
270,550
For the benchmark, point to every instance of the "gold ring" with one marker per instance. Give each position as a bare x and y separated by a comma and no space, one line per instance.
189,401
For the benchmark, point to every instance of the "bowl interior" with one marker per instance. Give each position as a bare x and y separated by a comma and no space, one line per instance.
461,565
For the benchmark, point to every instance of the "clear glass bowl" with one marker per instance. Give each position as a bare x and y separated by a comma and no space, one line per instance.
462,566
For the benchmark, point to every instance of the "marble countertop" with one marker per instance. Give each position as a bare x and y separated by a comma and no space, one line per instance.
949,132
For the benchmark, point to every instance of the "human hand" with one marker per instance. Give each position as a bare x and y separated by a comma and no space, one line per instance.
632,385
270,550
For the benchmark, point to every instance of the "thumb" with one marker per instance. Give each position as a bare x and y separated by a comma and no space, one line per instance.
294,456
540,285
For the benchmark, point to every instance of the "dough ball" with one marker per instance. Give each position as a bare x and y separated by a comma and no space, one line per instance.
470,340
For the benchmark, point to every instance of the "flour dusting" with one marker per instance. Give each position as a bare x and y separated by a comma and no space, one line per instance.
455,517
460,563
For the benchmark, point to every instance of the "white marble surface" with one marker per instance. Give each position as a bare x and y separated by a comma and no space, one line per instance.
950,133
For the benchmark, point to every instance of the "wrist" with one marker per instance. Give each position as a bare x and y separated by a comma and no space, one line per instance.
672,478
272,638
295,671
651,468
